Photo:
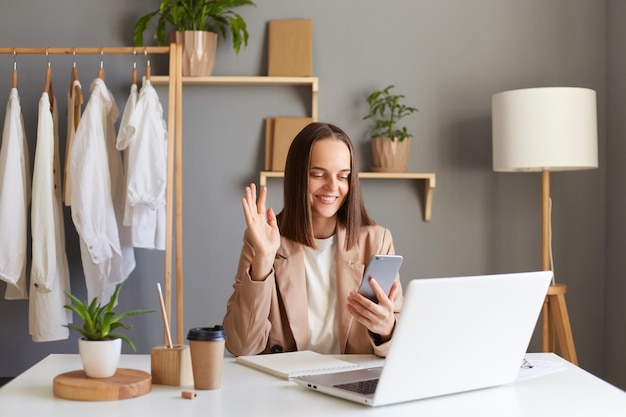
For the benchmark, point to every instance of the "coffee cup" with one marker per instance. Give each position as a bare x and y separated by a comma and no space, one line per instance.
207,354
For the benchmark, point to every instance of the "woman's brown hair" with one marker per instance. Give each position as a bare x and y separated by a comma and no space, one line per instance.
294,221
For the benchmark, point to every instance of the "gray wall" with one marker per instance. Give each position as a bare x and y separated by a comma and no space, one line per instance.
615,308
448,57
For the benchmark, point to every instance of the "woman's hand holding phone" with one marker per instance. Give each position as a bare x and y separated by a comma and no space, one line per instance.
372,306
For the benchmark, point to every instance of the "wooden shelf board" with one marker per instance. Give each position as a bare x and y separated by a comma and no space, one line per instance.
242,80
428,177
313,82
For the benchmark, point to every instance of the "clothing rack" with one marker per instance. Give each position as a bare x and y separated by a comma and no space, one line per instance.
174,155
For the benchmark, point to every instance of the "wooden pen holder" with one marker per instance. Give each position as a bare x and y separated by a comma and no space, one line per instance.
171,366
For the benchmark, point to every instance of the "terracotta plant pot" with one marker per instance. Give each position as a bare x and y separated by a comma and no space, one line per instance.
199,49
390,156
100,358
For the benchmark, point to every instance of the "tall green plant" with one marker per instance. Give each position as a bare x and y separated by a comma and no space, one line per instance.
210,15
100,322
386,109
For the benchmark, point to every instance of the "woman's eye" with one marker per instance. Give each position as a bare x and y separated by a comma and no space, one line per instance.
322,175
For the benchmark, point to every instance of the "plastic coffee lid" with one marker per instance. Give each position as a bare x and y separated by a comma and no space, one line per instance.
207,334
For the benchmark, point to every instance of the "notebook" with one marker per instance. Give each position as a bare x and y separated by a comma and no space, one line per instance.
453,335
292,364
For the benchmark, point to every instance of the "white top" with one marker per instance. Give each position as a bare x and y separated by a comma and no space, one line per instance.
321,276
73,118
144,136
14,200
49,274
122,143
97,188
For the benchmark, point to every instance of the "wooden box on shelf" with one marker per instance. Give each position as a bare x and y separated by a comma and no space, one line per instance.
290,48
279,133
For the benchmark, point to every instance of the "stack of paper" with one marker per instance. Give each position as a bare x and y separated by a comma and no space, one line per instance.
293,364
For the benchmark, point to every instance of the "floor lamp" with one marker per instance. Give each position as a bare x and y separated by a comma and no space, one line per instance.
543,130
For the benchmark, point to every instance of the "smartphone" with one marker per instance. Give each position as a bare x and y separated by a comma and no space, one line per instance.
383,268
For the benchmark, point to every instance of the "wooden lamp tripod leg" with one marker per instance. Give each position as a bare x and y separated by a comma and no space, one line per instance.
555,318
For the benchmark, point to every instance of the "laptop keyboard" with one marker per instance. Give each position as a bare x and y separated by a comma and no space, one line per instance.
362,387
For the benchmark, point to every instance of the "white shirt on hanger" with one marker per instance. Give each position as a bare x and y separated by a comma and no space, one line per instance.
122,143
145,138
97,188
14,200
49,275
73,118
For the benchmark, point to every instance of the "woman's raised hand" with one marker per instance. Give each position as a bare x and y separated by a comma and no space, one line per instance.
262,232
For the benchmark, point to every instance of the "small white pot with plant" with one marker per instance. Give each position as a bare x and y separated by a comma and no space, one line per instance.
391,143
100,346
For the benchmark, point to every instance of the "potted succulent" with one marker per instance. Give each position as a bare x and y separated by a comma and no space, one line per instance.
391,143
196,25
101,344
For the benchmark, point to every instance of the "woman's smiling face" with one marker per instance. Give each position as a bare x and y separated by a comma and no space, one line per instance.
329,183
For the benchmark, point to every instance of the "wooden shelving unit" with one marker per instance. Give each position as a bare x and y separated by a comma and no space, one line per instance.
313,82
427,177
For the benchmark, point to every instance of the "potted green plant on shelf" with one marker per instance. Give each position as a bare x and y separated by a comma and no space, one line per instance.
391,143
101,344
196,25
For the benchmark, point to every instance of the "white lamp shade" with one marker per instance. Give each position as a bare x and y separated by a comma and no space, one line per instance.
552,128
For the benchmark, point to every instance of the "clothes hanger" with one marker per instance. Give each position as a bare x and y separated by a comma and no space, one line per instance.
75,91
147,64
134,76
101,70
14,78
48,81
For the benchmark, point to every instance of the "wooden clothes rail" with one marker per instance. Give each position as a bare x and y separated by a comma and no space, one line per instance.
174,155
89,50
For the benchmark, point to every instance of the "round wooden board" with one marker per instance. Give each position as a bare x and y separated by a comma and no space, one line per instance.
126,383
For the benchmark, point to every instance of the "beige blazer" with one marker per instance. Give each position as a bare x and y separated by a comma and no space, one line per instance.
271,316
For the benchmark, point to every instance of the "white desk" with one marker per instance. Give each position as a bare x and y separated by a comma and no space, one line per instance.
248,392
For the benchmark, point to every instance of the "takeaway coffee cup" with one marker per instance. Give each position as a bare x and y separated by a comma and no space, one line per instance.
207,354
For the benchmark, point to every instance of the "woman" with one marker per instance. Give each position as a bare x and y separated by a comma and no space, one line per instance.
298,275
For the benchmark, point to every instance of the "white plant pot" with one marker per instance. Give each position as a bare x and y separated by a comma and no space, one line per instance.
100,357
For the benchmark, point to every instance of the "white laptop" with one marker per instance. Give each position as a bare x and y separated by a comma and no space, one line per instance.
453,335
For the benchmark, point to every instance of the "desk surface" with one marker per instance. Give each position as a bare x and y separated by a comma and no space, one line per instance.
569,391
